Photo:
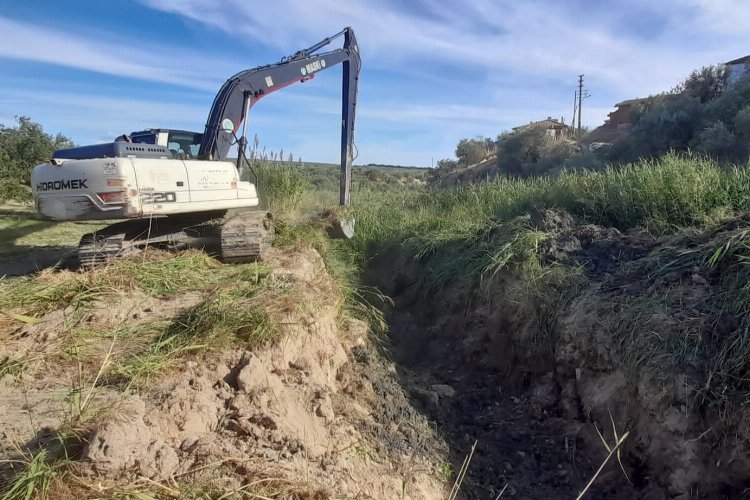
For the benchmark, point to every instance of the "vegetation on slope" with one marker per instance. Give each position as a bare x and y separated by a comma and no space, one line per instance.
463,227
703,114
467,236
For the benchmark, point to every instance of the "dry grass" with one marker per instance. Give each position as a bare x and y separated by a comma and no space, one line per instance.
237,305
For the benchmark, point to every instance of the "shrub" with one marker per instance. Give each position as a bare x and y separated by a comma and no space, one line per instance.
24,146
718,142
472,151
10,189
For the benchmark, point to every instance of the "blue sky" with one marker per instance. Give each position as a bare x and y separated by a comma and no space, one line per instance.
433,71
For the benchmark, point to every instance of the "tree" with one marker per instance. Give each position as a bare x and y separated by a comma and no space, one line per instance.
706,83
471,151
24,146
717,141
531,152
666,122
742,122
447,165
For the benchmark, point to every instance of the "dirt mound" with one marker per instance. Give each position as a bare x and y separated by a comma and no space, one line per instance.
307,416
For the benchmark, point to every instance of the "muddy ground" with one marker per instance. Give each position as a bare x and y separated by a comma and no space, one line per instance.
526,446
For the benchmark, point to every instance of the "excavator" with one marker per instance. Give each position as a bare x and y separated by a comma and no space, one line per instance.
176,189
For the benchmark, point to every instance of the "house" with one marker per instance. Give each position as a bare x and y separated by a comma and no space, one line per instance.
552,127
737,68
621,117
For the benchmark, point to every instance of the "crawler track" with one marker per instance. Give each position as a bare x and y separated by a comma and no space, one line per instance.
236,238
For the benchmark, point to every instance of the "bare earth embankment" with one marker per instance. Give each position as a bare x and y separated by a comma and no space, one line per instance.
173,376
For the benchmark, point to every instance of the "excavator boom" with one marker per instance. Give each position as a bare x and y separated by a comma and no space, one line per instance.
231,105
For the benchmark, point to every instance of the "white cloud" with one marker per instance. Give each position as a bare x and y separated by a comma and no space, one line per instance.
113,56
724,17
88,118
532,39
436,73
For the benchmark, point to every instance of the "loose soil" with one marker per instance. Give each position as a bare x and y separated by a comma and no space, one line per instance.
315,415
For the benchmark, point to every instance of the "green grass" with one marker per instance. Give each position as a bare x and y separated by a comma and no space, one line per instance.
31,478
33,472
158,274
468,231
471,236
22,232
721,352
235,312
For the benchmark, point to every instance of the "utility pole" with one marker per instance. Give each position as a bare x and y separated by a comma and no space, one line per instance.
575,107
580,101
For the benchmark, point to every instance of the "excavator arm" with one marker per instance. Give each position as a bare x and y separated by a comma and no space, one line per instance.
243,90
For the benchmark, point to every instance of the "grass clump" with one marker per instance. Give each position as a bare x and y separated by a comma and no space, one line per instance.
39,466
29,478
225,315
158,274
281,184
708,329
234,312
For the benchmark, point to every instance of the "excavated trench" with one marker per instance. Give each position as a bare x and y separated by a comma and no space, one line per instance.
537,389
460,378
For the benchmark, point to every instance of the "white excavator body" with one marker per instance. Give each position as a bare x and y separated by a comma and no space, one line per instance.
122,187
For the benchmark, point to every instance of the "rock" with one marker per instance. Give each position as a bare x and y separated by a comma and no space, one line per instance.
545,391
236,427
324,409
253,375
697,278
294,446
264,421
443,390
189,444
429,399
166,461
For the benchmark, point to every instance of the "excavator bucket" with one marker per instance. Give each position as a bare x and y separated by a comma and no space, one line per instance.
341,228
336,227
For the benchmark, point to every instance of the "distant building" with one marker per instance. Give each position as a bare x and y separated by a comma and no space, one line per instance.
737,68
552,127
621,117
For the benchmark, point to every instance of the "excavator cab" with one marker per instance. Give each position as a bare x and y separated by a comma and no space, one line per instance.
183,144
